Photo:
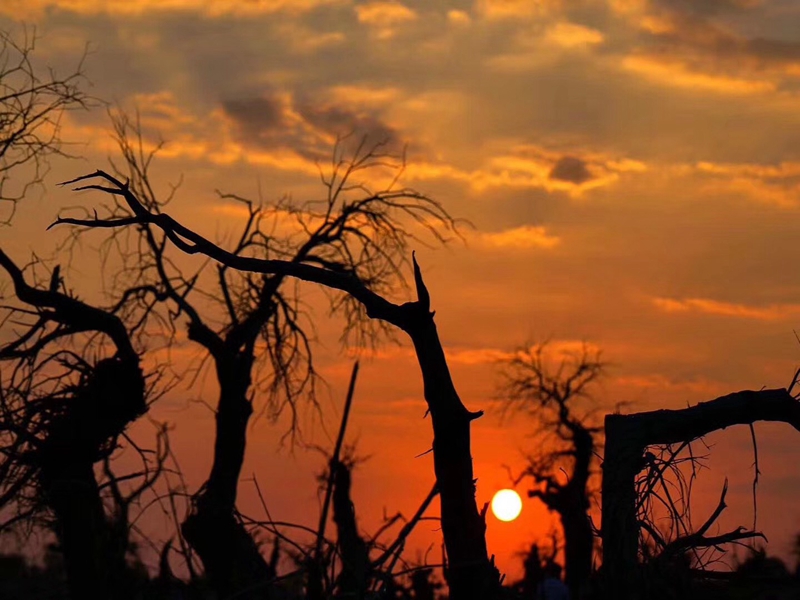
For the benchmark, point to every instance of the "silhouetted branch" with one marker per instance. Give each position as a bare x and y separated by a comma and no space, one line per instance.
463,525
32,104
628,436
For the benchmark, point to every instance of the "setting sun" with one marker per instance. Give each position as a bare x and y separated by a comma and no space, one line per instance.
506,505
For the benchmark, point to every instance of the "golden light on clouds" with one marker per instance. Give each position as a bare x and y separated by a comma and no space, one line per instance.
728,309
515,9
129,8
676,73
459,17
570,35
520,237
631,167
384,16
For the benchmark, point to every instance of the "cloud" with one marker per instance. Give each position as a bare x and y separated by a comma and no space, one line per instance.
364,96
126,8
458,18
556,351
675,73
384,16
475,356
524,237
708,7
536,46
684,43
776,185
532,167
307,126
337,121
515,9
664,384
256,119
301,39
571,35
572,169
774,312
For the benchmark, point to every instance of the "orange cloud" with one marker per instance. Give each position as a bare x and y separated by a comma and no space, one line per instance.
571,35
524,237
515,9
773,312
363,95
777,185
36,8
534,167
675,73
384,16
459,17
304,40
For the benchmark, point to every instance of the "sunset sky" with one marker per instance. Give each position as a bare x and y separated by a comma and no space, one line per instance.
631,168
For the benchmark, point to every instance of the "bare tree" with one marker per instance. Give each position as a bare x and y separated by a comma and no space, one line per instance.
357,279
353,231
626,456
32,103
559,398
62,412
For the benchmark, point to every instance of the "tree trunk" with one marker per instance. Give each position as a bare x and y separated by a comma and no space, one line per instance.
627,436
94,548
93,566
470,572
353,579
229,554
578,546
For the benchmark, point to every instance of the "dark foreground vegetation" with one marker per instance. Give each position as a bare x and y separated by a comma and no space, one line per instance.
76,374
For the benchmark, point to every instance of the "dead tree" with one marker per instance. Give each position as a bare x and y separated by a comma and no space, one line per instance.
32,102
557,398
353,231
628,437
472,574
354,579
61,414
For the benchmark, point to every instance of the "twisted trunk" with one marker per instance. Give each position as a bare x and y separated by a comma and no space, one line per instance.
94,546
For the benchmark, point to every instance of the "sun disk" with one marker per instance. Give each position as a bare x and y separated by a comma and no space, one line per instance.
506,505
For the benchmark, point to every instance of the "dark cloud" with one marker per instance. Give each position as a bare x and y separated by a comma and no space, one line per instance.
261,121
341,121
572,169
708,7
257,120
695,35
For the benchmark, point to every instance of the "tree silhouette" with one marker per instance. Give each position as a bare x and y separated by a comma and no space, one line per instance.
354,231
557,398
470,572
32,103
627,440
62,413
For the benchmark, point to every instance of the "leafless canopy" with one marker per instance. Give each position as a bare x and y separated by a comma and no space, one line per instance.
32,103
58,363
556,393
360,228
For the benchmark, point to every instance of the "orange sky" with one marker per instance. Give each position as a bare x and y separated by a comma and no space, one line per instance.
632,168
